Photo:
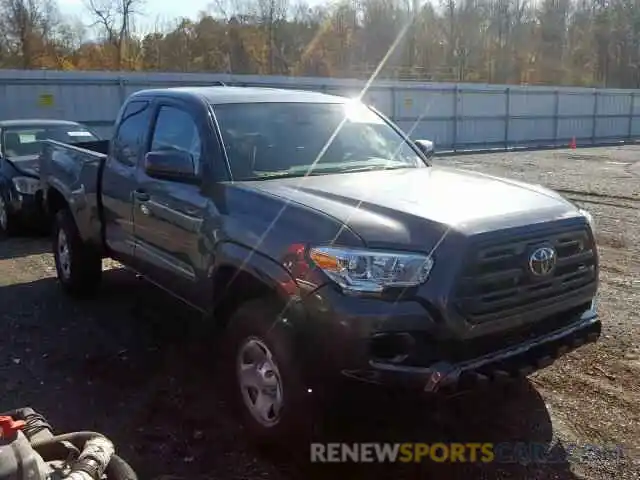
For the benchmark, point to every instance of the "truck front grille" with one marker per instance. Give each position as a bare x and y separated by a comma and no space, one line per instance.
497,280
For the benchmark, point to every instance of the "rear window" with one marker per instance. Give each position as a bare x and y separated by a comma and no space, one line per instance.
25,141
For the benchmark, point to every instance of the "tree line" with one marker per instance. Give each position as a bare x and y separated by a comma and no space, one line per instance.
553,42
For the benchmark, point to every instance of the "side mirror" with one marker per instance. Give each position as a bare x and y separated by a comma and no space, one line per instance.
175,165
426,147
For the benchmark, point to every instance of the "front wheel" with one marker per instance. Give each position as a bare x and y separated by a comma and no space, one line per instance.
78,266
266,384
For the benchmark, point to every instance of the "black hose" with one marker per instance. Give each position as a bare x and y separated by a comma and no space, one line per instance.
52,449
14,413
118,469
76,438
36,427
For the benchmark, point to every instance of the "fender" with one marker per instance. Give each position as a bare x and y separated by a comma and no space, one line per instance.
74,200
293,324
264,269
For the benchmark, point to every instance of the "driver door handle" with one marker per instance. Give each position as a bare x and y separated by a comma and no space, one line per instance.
141,195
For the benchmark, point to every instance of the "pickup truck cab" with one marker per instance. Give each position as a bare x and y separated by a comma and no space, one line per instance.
326,244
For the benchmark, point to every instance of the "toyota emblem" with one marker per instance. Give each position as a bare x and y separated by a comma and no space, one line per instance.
542,261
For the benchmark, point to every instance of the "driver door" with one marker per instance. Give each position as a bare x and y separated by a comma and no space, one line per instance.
168,215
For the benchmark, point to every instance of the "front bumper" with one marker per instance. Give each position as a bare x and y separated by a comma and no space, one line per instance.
515,361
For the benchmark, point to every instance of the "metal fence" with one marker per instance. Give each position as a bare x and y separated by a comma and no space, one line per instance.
455,116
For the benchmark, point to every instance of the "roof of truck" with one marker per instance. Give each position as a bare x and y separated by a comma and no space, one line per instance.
218,95
34,122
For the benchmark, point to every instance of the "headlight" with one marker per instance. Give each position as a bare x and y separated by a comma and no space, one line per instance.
358,270
26,185
589,218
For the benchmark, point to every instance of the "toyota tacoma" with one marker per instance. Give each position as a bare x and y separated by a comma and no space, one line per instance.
326,243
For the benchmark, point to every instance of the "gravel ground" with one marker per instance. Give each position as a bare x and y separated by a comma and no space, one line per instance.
139,369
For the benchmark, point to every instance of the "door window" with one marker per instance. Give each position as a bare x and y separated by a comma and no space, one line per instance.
128,141
177,130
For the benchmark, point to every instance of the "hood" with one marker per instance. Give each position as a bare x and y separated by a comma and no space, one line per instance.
25,165
414,206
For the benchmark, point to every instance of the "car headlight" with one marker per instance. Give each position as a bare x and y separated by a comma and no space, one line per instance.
26,185
586,214
357,270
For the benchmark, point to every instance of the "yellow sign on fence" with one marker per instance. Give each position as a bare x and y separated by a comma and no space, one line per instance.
45,100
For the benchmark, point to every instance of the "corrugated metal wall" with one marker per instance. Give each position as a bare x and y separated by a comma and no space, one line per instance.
455,116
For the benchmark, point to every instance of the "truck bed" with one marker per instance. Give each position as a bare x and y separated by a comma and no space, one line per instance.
73,172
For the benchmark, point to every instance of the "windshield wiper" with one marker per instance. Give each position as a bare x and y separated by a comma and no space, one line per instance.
319,170
273,175
286,174
369,168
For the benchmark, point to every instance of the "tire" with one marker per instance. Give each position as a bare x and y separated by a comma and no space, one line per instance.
254,332
78,266
7,222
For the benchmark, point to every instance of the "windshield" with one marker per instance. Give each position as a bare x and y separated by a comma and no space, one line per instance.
267,140
25,141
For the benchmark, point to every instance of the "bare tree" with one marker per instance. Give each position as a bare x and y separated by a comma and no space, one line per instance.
113,18
271,14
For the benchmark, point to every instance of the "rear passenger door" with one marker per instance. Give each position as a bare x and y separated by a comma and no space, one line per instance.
119,177
168,215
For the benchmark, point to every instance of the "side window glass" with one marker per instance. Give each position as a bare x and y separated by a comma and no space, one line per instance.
128,141
176,130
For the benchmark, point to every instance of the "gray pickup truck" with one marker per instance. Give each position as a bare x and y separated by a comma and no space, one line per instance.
326,244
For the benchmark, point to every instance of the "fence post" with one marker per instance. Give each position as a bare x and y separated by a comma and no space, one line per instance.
507,117
394,113
454,141
595,117
4,97
632,99
556,117
121,90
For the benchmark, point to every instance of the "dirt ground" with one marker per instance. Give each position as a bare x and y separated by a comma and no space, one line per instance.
134,365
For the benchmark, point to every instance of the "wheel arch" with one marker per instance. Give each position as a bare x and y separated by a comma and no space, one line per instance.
54,201
241,274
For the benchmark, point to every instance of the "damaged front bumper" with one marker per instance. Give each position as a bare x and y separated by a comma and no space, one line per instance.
512,362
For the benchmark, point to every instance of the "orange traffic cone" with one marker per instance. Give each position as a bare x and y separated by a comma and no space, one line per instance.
572,145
